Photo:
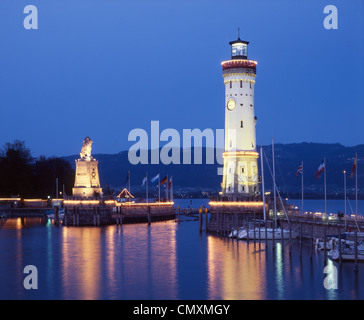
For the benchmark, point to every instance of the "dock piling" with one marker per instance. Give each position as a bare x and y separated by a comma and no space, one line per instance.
339,231
254,229
149,217
356,250
290,238
266,233
300,239
273,236
311,242
325,245
206,219
247,231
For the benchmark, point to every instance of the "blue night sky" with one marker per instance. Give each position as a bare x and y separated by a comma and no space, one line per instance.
101,68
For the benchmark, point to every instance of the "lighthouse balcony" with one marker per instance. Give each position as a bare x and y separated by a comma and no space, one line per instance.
233,64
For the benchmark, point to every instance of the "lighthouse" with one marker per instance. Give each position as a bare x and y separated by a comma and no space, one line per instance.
240,175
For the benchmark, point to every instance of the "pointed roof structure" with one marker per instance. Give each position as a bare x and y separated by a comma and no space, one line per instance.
125,194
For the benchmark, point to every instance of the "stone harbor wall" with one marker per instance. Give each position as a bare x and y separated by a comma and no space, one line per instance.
139,213
99,215
88,216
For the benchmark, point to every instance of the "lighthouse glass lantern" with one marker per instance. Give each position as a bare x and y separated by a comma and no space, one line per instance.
239,49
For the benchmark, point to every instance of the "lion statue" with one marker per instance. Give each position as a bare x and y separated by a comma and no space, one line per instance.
86,149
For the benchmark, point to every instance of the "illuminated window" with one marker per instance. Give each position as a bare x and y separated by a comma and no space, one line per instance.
241,83
250,85
242,170
241,124
231,84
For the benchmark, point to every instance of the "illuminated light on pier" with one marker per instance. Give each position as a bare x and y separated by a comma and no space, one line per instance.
236,203
81,202
153,204
10,199
133,203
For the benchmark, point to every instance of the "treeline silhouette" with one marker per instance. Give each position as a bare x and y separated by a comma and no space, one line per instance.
27,177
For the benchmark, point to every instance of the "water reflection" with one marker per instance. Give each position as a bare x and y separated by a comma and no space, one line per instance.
126,261
81,258
235,271
161,261
151,262
279,270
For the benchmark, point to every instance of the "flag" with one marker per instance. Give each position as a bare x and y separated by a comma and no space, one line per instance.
170,189
320,169
299,170
170,183
156,178
144,181
164,180
354,166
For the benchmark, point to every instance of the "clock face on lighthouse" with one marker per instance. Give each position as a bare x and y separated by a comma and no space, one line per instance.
231,104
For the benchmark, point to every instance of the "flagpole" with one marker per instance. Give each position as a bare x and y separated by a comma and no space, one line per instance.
302,188
325,186
263,190
147,186
171,191
129,183
345,196
159,188
167,189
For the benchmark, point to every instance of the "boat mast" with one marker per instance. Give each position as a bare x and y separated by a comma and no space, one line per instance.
263,190
325,186
302,188
274,187
345,197
356,185
57,188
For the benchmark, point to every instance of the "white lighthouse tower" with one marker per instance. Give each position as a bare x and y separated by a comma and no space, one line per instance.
241,177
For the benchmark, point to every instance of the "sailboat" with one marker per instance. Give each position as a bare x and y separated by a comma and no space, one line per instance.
264,233
348,250
233,233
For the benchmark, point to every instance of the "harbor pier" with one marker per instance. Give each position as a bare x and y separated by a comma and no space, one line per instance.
107,212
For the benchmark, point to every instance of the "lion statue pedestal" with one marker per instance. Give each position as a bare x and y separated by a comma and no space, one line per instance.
87,182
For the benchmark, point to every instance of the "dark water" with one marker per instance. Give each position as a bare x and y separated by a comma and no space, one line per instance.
164,261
